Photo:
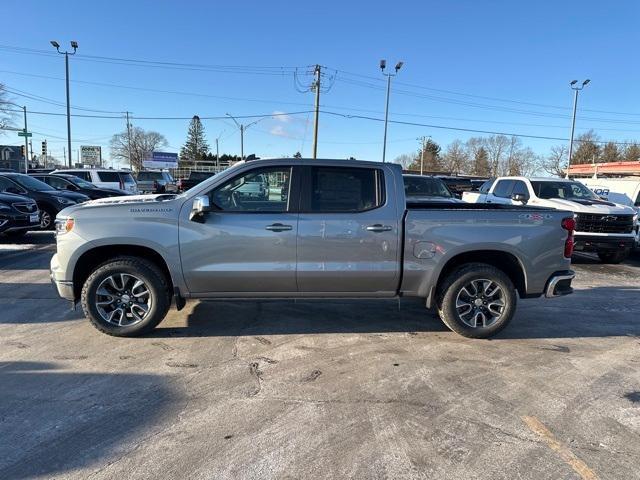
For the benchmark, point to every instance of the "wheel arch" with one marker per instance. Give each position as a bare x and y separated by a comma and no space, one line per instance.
92,258
500,259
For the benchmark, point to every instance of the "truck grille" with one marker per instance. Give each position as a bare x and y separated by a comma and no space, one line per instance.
25,207
597,223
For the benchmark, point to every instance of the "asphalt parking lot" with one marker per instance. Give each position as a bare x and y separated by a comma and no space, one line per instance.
317,389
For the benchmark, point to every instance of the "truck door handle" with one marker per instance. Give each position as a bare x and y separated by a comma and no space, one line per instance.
379,228
278,227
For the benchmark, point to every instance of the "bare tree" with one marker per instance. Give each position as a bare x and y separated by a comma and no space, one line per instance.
142,144
456,158
6,115
587,149
632,152
404,160
610,153
497,147
556,162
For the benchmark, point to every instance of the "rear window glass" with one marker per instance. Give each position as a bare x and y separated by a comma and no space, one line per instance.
109,177
146,176
340,189
126,178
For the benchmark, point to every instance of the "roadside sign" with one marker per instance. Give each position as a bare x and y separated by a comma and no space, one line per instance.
91,155
25,134
161,160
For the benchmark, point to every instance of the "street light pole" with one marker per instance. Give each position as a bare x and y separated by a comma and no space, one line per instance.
383,65
242,128
26,141
576,90
66,54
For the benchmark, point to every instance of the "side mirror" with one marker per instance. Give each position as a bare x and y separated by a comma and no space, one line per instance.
519,197
201,206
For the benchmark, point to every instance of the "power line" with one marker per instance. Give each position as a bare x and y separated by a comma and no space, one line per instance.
488,132
112,85
484,97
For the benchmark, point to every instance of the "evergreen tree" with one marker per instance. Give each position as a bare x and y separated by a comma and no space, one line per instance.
610,153
196,146
429,156
481,165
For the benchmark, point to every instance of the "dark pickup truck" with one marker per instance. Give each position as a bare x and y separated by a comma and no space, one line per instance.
193,179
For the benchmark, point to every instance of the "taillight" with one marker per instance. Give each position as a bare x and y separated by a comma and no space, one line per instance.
569,224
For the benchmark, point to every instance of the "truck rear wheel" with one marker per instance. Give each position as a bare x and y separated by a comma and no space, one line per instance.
477,300
126,297
614,257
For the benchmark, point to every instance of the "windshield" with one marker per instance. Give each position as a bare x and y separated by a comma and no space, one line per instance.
80,182
425,187
563,190
31,183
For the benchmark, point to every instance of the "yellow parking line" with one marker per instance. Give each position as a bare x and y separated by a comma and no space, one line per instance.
536,426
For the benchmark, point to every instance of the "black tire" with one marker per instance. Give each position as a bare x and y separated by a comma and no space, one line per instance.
149,273
452,287
613,257
47,214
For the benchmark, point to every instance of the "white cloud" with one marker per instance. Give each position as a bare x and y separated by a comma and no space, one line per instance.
282,117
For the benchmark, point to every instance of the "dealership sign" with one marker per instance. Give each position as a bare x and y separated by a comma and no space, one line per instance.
161,160
91,155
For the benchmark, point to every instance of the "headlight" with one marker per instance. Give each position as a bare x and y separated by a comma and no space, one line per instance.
64,225
4,206
65,201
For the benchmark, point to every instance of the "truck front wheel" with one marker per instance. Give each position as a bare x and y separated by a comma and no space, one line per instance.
477,300
126,297
614,257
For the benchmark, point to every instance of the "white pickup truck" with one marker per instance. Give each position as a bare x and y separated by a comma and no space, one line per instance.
603,227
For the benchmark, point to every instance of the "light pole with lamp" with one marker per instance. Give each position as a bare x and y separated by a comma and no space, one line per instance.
383,65
66,54
242,128
576,90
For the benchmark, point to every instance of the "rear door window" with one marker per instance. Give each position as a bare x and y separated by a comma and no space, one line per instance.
345,189
85,175
503,188
110,177
486,186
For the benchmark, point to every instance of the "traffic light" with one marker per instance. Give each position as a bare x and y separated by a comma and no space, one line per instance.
44,148
22,152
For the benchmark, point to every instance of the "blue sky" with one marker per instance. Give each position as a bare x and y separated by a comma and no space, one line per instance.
468,64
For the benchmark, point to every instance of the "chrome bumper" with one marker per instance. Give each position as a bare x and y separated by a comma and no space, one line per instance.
560,284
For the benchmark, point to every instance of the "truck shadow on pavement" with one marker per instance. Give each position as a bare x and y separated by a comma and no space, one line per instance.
53,421
594,312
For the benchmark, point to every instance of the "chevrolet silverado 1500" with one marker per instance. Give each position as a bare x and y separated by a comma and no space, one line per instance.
334,229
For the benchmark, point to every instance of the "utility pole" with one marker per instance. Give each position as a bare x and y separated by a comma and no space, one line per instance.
424,144
66,54
316,86
26,141
573,119
129,142
383,65
241,142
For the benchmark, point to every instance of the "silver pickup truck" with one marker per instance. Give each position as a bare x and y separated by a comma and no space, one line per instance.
327,228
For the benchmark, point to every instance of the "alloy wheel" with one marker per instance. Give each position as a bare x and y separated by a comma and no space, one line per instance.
123,299
480,303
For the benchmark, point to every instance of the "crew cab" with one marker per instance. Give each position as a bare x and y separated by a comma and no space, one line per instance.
155,181
603,227
339,229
